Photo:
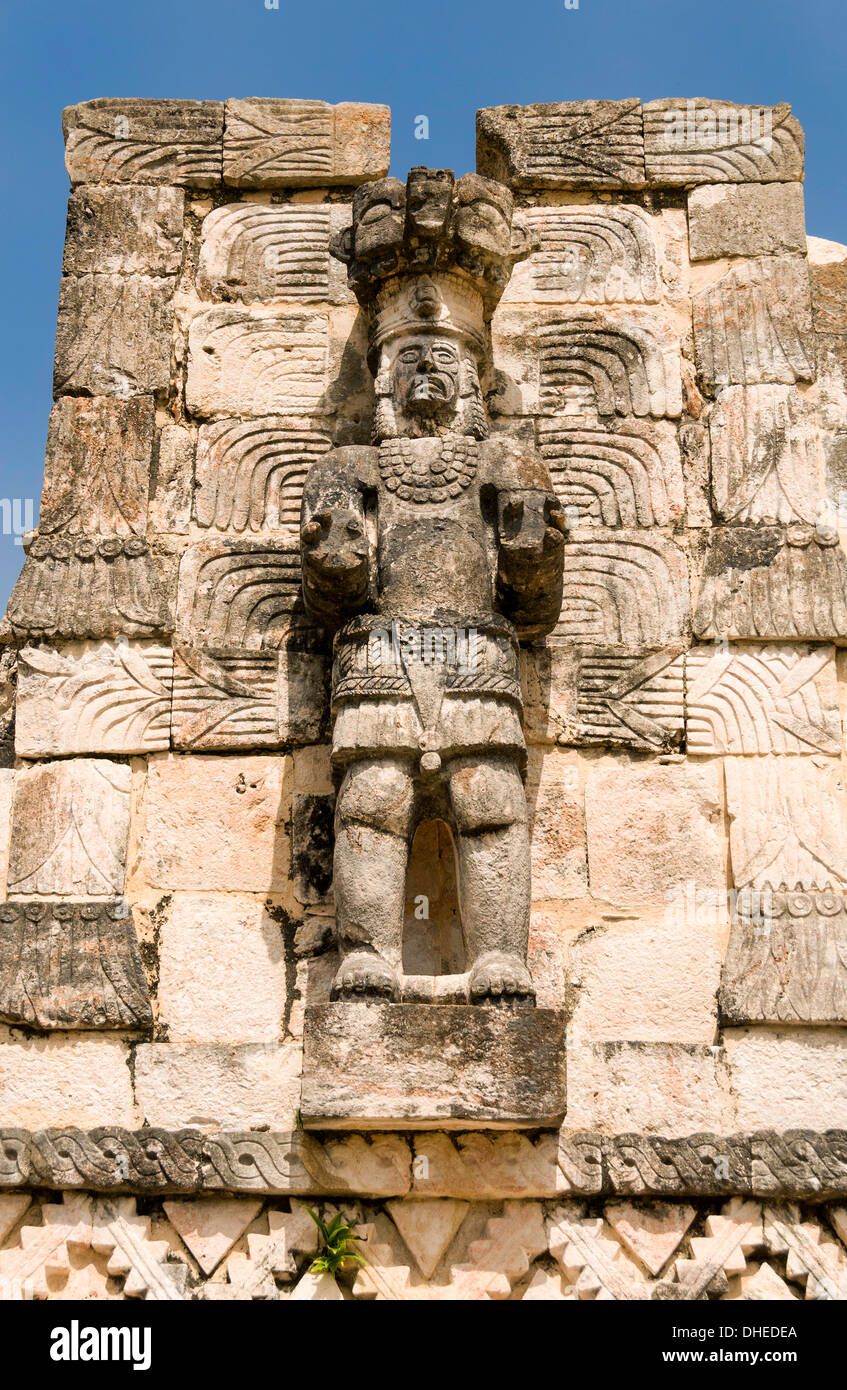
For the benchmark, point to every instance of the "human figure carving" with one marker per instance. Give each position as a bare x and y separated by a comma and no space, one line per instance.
430,555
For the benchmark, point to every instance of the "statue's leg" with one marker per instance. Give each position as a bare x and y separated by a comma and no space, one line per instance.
490,818
374,823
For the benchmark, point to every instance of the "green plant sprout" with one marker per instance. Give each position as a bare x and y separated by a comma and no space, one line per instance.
336,1238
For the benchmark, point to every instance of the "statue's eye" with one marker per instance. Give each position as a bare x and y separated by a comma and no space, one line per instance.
444,356
409,355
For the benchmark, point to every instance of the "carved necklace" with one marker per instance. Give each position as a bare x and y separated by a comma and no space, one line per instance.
417,478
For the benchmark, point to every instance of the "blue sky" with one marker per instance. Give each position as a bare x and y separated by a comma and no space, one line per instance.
442,59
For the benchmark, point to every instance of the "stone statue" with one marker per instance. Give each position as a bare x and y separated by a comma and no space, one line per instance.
430,556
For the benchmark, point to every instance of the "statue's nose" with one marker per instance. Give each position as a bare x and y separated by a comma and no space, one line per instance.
425,360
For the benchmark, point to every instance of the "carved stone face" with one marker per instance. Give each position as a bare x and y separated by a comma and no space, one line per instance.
426,378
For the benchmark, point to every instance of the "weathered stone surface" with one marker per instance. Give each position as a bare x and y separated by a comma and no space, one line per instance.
240,595
211,1228
772,582
93,698
285,143
125,231
66,1081
428,1228
226,701
221,970
587,255
699,141
71,965
746,219
616,472
628,361
423,1066
624,587
557,822
755,324
762,699
12,1208
250,473
767,464
173,482
633,1087
828,268
215,822
217,1086
788,1079
629,699
652,1234
7,782
8,691
133,140
488,1165
89,587
253,252
257,362
312,843
98,466
70,824
114,334
787,960
787,823
590,144
651,828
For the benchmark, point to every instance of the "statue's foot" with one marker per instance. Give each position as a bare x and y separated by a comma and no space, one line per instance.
364,974
500,978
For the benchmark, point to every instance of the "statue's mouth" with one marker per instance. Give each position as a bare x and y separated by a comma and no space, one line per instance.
430,390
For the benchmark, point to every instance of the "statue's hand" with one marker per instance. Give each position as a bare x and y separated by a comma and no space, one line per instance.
335,552
532,528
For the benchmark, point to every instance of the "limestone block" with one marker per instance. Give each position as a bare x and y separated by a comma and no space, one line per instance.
652,981
616,472
548,689
224,700
250,473
409,1066
253,252
257,362
746,698
70,824
755,324
767,464
828,267
133,140
787,823
210,1227
7,782
89,697
624,587
125,231
652,1233
665,1088
221,970
71,965
8,691
240,595
180,1085
114,334
218,822
697,141
787,960
557,825
486,1166
630,699
588,255
772,582
832,380
564,144
91,587
173,484
428,1228
98,466
61,1081
652,828
12,1207
786,1079
288,143
746,219
312,844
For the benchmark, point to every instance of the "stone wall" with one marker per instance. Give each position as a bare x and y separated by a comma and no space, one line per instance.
676,350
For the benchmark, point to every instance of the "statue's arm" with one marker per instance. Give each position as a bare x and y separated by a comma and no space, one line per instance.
531,530
336,559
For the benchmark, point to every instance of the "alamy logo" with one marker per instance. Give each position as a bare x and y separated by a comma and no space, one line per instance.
77,1343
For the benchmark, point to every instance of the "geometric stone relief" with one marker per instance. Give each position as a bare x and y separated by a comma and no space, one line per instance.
291,1236
624,587
250,473
588,144
256,699
762,699
613,472
97,471
690,142
773,582
629,365
766,456
787,825
71,965
125,231
290,143
630,699
257,362
114,335
93,698
240,595
251,252
787,960
70,825
755,324
589,255
88,586
210,1228
133,140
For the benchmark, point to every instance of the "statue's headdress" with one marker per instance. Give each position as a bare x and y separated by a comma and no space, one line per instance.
433,254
